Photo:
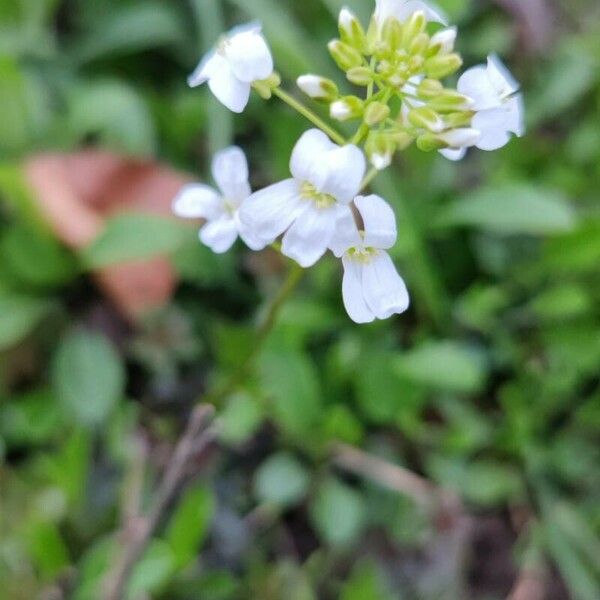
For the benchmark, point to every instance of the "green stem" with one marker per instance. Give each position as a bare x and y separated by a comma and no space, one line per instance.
369,177
337,137
262,333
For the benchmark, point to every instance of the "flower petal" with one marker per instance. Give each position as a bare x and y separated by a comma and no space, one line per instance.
269,212
403,9
345,235
306,163
250,237
207,67
496,124
219,235
476,84
228,89
249,56
352,292
310,234
197,201
500,77
230,171
379,221
345,169
384,290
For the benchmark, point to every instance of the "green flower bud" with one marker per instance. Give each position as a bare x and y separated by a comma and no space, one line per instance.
426,118
318,88
419,45
265,87
413,27
442,42
402,139
429,88
362,76
351,31
375,113
450,101
345,56
439,67
349,107
392,33
380,149
429,142
458,120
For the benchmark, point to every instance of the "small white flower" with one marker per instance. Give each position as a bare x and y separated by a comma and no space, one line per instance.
241,58
312,86
340,110
446,39
371,288
404,9
220,210
326,178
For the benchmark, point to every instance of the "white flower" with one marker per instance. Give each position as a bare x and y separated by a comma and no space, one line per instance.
326,178
497,103
371,288
220,210
445,39
241,58
404,9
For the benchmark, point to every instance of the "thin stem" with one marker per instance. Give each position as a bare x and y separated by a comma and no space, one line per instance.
337,137
369,177
360,134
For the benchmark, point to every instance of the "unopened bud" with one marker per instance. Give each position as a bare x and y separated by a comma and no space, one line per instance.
429,88
318,88
265,87
450,101
442,42
349,107
375,113
439,67
380,149
402,139
345,56
362,76
429,142
419,45
427,119
458,119
392,33
351,31
413,27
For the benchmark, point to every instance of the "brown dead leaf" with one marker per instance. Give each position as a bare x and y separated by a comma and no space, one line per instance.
76,194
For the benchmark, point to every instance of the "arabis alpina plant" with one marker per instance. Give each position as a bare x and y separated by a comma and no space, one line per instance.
220,209
241,58
398,63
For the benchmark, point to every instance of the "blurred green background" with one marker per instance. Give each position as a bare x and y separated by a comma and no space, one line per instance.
488,387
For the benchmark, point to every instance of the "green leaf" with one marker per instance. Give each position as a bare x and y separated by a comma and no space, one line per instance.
190,524
444,365
338,512
134,237
512,208
365,583
19,315
88,377
281,480
14,124
48,549
290,380
240,419
153,571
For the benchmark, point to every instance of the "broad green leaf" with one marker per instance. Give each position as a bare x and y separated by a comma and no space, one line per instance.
48,549
189,525
153,571
88,377
444,365
19,315
338,512
291,383
281,480
240,419
512,208
134,237
365,583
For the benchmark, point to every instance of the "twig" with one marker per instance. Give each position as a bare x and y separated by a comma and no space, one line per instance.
530,585
196,437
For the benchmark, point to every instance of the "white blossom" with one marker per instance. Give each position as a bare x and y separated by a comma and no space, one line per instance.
239,59
497,103
326,178
404,9
220,209
372,288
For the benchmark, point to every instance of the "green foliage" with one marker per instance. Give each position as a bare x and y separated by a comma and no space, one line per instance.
18,316
281,480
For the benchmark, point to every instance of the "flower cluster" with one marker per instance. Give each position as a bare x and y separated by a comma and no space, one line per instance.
400,61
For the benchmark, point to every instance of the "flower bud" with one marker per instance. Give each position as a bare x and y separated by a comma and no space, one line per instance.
450,101
345,56
419,45
351,31
429,88
265,87
442,42
429,142
362,76
458,119
349,107
375,113
402,139
427,119
413,27
318,88
439,67
380,149
392,33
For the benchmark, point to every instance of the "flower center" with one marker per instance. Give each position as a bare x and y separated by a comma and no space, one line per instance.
309,192
362,254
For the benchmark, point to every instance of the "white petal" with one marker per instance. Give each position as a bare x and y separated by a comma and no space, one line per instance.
197,201
346,234
269,212
345,170
209,65
445,38
384,290
249,56
309,236
230,171
496,124
462,137
219,235
403,9
306,163
500,77
452,154
228,89
352,292
476,84
379,221
249,236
